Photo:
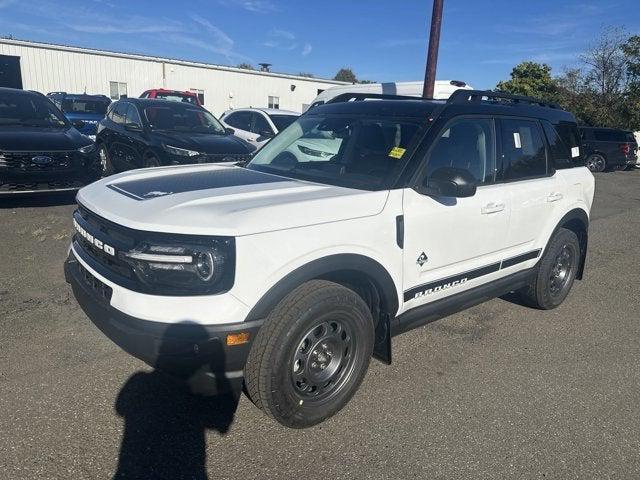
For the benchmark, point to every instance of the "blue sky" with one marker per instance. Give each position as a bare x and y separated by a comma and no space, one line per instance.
381,40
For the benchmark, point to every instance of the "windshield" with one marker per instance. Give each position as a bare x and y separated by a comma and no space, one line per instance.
70,105
176,97
182,118
283,121
351,151
29,110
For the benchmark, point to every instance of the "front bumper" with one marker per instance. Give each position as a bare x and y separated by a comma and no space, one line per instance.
196,353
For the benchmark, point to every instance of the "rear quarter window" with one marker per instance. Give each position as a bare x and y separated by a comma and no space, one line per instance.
609,136
563,139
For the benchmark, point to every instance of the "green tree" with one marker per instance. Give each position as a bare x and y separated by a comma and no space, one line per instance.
531,79
631,50
246,66
346,75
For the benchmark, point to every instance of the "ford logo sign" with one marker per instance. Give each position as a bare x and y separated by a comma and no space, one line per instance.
42,160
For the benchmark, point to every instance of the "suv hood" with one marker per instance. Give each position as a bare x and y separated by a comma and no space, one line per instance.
40,139
222,200
205,142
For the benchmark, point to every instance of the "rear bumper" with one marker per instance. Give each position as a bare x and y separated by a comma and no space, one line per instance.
193,352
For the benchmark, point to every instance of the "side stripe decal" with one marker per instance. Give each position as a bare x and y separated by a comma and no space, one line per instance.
461,278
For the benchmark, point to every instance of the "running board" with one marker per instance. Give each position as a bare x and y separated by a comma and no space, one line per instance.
419,316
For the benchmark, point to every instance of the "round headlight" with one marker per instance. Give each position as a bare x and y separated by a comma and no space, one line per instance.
204,264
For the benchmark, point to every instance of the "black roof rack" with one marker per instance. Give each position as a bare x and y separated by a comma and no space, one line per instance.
476,96
346,97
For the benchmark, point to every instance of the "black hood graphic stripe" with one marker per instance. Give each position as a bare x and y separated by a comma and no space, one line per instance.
160,186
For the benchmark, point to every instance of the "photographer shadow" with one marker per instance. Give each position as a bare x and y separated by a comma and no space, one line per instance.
165,424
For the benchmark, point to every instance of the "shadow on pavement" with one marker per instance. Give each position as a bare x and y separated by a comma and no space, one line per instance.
513,297
51,199
165,424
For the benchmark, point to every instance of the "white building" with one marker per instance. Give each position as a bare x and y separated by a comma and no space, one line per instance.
54,68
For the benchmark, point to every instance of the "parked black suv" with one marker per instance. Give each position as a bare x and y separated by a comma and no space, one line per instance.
608,148
141,132
40,150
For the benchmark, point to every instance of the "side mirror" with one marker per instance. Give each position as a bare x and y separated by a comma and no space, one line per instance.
230,131
449,182
132,127
78,123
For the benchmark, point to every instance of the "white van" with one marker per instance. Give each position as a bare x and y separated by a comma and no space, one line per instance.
442,89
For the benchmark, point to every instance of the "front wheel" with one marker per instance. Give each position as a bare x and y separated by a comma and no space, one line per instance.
556,272
311,354
104,162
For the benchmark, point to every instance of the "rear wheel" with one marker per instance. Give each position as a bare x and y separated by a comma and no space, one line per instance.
596,163
311,354
556,272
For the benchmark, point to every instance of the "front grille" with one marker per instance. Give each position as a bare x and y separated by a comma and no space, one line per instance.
16,186
114,235
32,162
103,292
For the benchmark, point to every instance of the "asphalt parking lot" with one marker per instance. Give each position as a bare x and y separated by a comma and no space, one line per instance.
498,391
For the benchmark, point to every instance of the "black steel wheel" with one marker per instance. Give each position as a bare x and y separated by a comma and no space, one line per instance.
311,355
323,361
596,162
556,272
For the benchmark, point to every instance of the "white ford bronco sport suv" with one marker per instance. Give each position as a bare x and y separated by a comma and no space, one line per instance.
288,274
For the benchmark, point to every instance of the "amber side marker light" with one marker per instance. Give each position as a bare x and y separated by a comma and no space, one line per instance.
238,338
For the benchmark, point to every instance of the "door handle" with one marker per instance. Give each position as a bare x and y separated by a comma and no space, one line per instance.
554,197
492,207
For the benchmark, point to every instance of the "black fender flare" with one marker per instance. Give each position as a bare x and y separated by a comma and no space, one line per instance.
576,218
324,266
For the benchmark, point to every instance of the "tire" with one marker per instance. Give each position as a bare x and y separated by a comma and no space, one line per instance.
105,167
556,272
596,162
311,354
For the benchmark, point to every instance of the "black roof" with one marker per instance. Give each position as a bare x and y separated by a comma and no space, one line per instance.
462,102
415,107
609,129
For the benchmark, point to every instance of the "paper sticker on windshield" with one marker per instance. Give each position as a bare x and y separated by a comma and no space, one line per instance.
397,152
575,152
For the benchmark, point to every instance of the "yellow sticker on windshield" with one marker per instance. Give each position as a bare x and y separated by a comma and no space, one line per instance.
397,152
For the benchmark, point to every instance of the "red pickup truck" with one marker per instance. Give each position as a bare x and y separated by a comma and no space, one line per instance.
175,95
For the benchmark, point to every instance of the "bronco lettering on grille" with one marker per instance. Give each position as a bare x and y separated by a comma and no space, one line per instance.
99,244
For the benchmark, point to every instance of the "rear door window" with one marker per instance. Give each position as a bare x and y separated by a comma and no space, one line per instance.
523,150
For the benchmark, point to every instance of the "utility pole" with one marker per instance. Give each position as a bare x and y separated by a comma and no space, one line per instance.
432,54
